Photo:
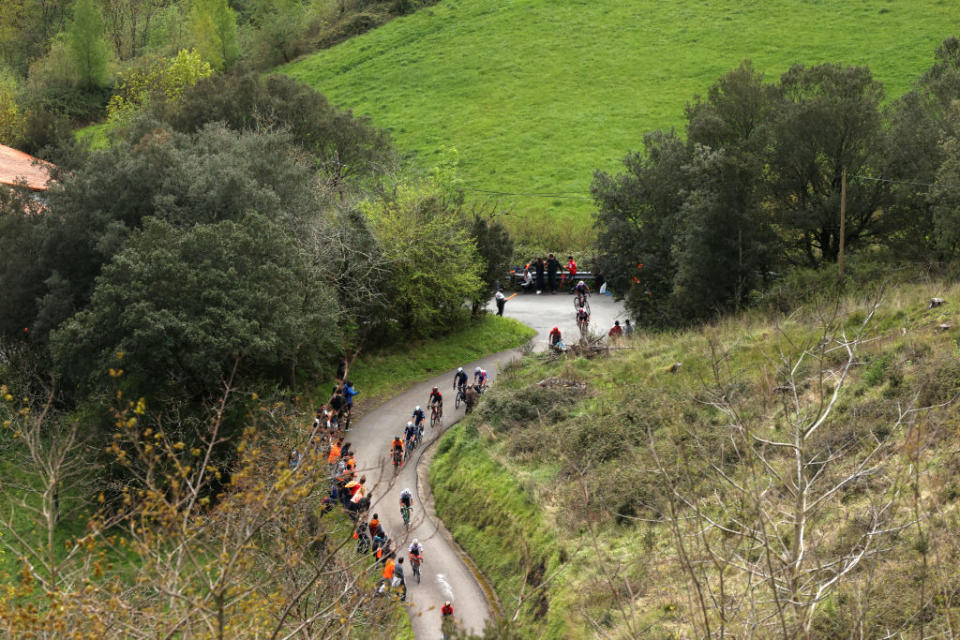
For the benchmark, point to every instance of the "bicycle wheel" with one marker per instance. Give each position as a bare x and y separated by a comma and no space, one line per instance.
363,544
405,514
433,418
457,401
416,571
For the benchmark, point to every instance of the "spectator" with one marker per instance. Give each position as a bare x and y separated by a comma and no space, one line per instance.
539,269
598,280
571,272
398,580
335,451
501,301
553,265
628,330
527,284
555,336
348,392
616,330
388,569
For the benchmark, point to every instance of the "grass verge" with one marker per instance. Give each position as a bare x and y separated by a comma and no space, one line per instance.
383,374
553,489
498,524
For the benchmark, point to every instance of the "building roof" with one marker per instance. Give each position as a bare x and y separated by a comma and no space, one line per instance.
18,168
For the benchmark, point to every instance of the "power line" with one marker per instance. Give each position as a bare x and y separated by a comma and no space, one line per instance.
585,195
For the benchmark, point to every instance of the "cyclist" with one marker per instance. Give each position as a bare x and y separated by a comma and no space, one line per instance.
446,621
480,378
582,289
418,416
583,318
410,434
436,400
416,552
460,379
396,451
406,501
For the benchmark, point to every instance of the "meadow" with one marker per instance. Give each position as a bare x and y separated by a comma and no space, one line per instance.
538,94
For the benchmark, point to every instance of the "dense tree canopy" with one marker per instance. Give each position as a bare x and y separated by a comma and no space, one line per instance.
182,304
433,261
343,144
210,176
693,227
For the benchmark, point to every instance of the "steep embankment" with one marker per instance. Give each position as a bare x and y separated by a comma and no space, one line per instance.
794,473
537,94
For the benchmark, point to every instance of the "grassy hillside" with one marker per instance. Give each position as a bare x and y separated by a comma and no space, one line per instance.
644,487
536,94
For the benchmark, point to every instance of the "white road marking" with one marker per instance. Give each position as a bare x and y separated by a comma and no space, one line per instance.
445,587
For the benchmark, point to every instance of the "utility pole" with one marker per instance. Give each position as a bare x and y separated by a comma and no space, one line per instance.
843,220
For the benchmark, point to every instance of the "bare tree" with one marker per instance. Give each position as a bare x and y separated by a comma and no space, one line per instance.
201,545
760,542
53,459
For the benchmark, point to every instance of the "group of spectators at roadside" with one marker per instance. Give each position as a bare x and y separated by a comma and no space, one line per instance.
541,275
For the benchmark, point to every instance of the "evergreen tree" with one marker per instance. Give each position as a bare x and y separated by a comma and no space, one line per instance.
89,51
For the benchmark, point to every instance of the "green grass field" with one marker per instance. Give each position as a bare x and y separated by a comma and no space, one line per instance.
537,94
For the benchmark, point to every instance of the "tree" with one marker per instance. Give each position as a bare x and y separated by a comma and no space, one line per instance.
213,32
129,24
728,132
495,246
829,120
945,194
57,473
918,123
166,78
434,265
355,267
345,146
181,304
89,51
190,547
211,176
21,276
637,218
11,118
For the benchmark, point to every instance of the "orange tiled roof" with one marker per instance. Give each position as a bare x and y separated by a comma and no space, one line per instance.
17,167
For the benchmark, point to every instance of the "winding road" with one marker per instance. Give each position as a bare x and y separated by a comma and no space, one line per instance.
446,574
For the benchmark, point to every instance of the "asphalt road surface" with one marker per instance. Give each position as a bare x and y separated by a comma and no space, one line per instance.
444,574
545,311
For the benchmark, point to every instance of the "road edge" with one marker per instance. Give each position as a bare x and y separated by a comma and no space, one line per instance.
425,494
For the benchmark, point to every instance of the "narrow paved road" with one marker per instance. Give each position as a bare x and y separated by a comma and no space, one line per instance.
445,576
